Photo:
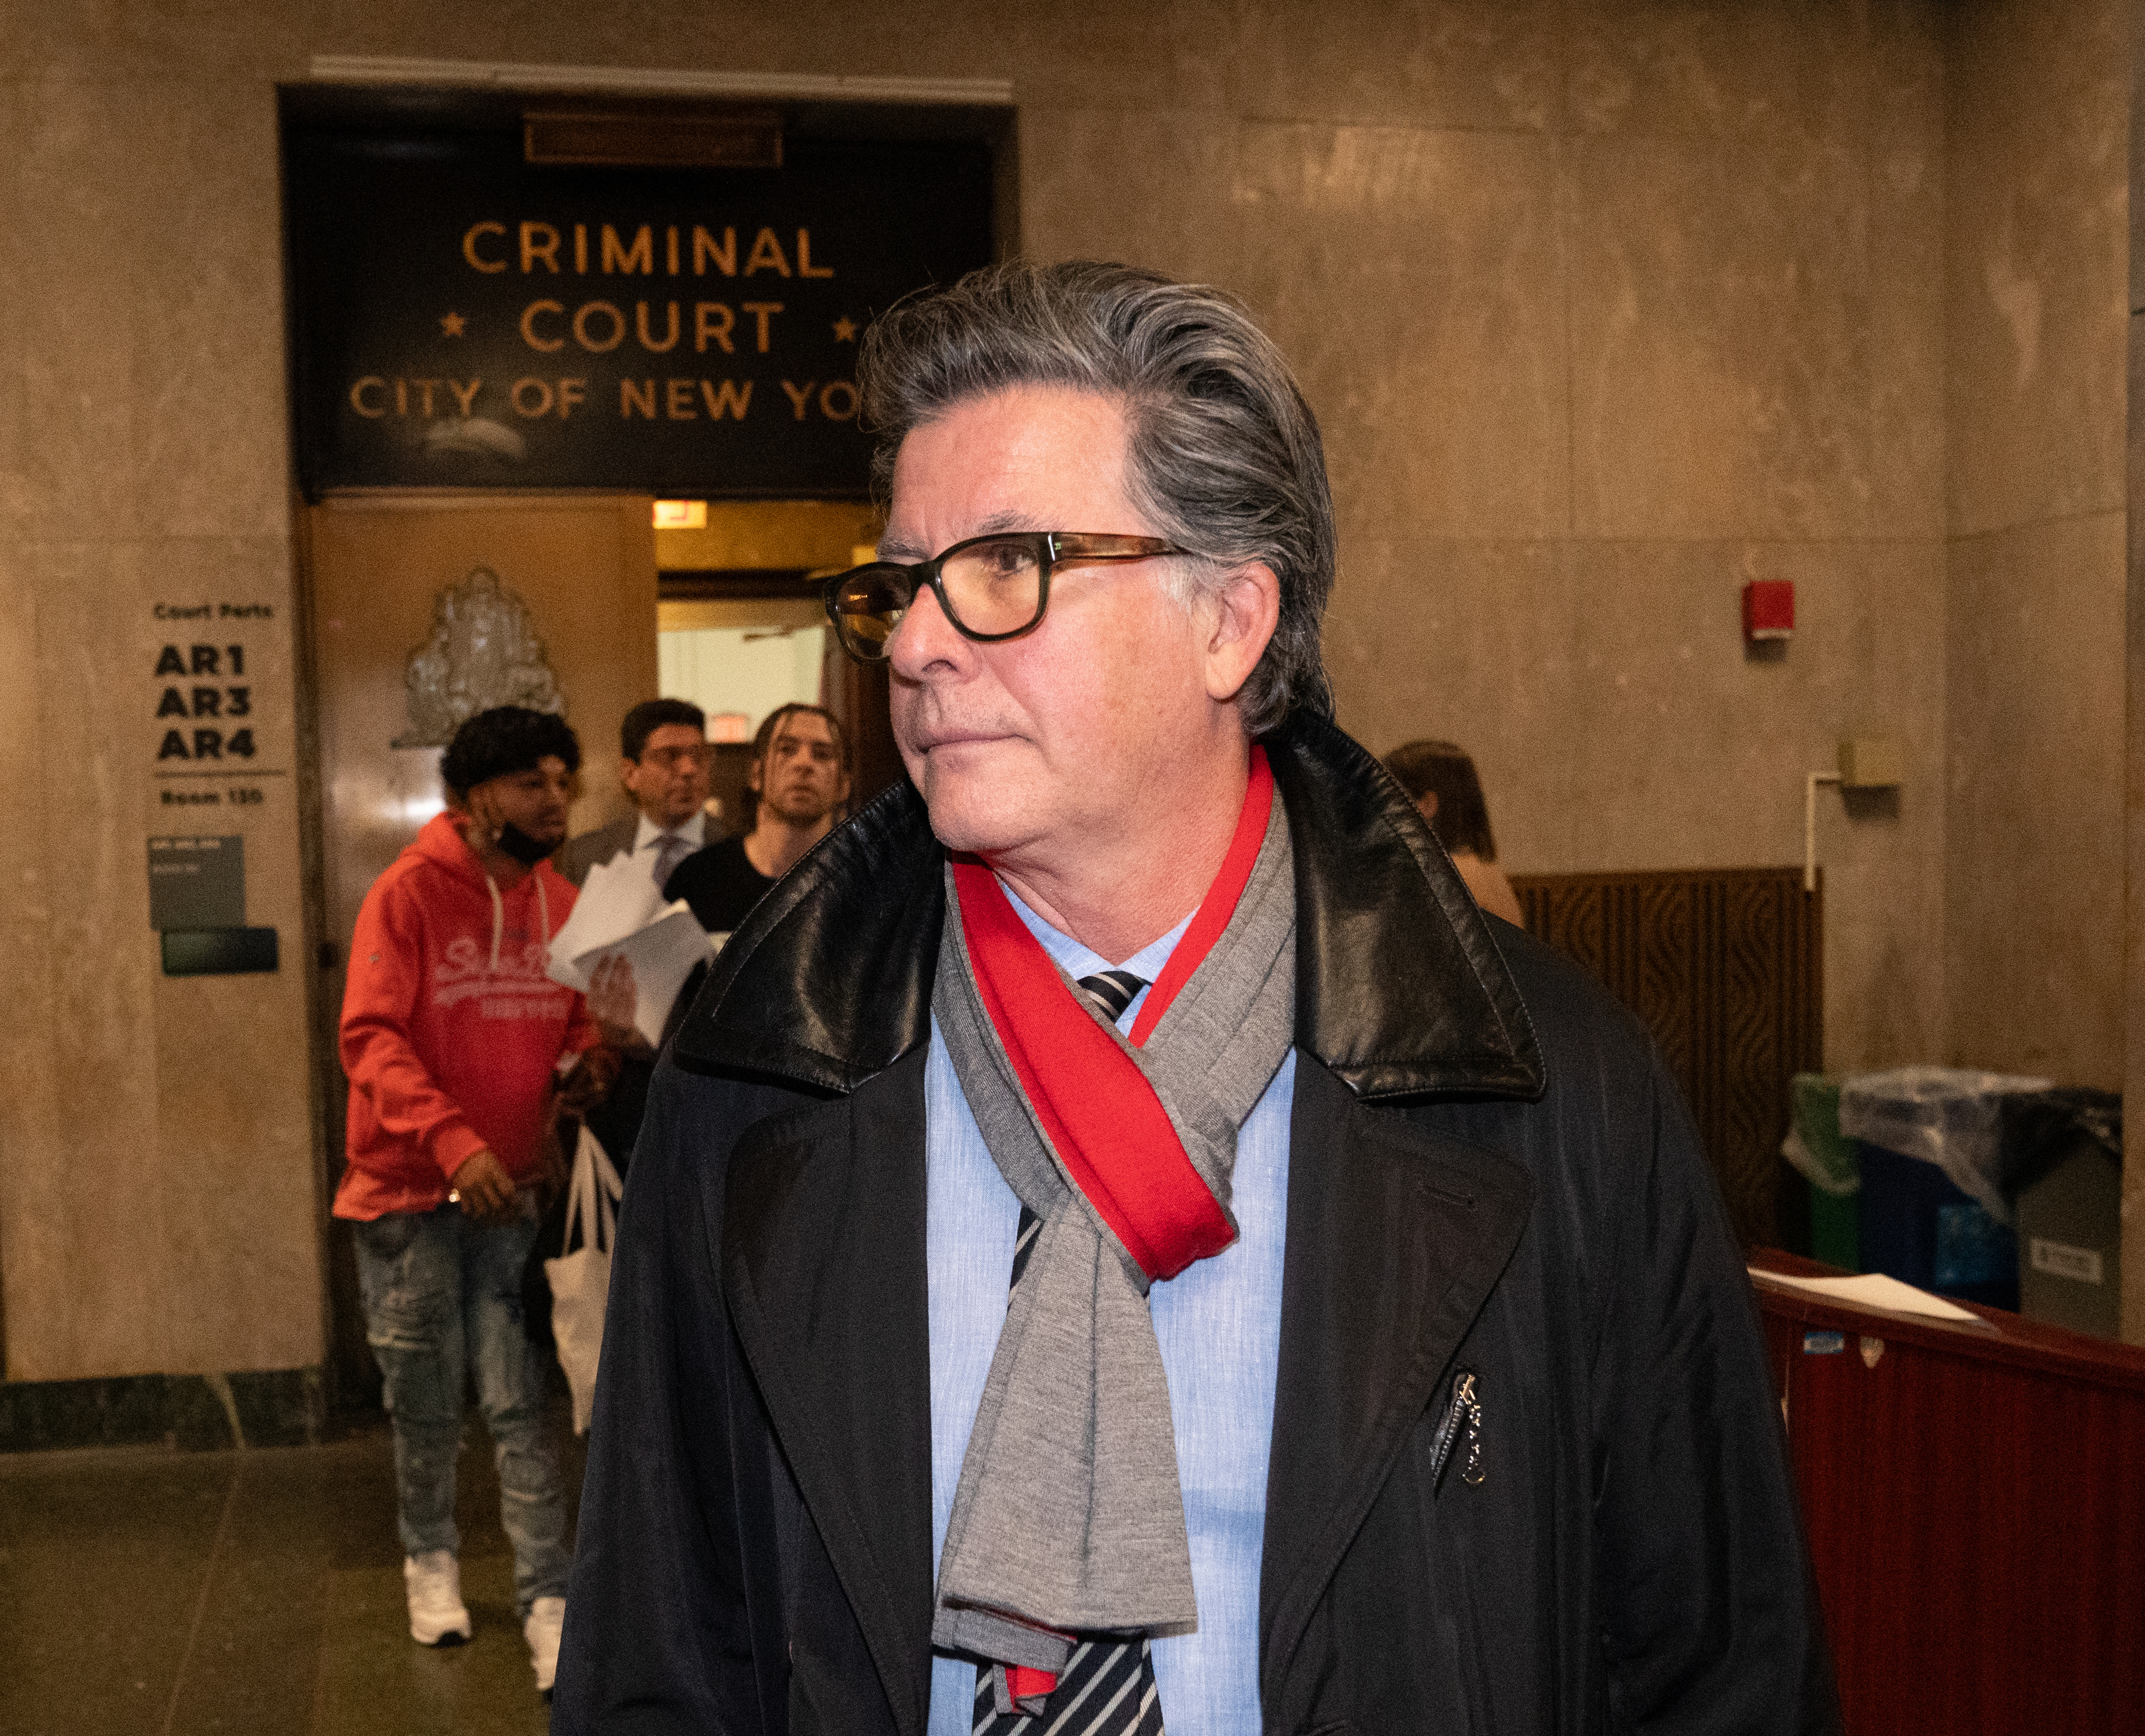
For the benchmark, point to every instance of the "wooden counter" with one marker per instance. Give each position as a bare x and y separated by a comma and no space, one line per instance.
1975,1500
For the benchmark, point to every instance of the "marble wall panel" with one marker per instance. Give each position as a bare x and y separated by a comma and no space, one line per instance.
211,433
73,313
1121,54
1720,316
150,313
2036,282
1444,63
1603,309
34,1214
239,1205
160,1218
18,499
1906,266
1720,67
235,1166
88,1017
2034,886
2134,951
2037,244
100,40
1414,279
1618,724
1475,641
1076,162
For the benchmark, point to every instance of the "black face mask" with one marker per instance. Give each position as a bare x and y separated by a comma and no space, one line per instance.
520,846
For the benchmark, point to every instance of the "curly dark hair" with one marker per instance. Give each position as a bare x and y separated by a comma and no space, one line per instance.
506,739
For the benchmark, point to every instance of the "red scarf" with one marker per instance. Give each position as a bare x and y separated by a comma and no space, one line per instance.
1100,1112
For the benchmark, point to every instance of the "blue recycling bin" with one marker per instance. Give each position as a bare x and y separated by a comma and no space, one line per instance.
1920,1229
1934,1211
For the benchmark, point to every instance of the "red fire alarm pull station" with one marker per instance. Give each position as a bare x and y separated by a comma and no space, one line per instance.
1769,609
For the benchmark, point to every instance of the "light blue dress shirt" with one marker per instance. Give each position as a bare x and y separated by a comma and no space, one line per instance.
1219,1326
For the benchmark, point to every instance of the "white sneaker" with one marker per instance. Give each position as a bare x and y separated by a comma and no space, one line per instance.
547,1615
434,1583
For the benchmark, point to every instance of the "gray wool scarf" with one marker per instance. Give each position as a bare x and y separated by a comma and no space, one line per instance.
1069,1517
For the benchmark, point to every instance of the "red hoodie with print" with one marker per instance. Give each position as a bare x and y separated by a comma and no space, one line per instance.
451,1029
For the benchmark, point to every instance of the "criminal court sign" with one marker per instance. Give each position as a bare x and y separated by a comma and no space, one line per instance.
464,319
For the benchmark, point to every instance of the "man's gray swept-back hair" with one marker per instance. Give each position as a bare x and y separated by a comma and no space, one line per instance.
1223,453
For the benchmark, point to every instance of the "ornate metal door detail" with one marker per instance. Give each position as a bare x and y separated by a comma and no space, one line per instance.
484,651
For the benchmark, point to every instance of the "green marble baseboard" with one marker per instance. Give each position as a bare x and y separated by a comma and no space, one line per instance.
190,1413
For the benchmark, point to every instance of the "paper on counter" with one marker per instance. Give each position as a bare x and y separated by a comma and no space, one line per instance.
1874,1289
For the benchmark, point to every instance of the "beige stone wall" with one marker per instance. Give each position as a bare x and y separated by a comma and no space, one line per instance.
157,1152
2133,783
1605,308
2036,287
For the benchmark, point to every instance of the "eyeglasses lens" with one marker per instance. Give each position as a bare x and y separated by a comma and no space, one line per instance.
870,605
994,587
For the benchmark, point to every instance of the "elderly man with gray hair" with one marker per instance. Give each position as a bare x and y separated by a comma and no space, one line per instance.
1119,1243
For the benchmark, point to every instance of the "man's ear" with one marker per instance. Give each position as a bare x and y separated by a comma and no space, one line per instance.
1242,614
629,772
752,778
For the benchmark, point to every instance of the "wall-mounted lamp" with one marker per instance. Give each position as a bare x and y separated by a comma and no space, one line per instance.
1866,762
1768,610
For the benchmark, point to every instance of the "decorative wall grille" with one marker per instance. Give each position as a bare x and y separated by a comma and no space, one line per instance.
1725,967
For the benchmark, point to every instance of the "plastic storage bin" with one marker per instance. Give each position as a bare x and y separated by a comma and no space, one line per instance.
2063,1166
1828,1159
1933,1211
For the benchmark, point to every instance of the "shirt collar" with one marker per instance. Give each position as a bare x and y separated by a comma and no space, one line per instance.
692,829
1078,961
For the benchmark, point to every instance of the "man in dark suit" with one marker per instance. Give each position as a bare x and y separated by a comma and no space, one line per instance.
663,763
1123,1243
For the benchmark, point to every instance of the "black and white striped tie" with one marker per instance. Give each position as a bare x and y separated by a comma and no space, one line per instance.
1107,1687
1112,992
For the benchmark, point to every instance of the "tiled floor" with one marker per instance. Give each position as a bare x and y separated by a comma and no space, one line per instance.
163,1593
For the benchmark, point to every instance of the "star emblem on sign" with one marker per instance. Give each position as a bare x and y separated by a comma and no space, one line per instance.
452,324
845,331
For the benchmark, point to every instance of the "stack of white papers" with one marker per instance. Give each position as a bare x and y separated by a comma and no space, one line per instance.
621,913
1873,1290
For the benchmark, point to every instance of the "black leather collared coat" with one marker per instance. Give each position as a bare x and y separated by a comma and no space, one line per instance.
1494,1192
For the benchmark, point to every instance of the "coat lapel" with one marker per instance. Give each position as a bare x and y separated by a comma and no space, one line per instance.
1396,1238
1400,988
824,1270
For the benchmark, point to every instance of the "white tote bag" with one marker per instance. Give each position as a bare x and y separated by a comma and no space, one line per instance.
580,1277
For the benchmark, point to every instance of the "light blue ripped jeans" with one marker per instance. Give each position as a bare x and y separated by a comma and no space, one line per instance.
442,1297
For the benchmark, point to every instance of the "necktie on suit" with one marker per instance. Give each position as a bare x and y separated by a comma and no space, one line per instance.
1108,1687
670,850
1111,991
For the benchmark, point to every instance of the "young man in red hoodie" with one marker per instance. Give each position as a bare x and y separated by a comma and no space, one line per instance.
454,1040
